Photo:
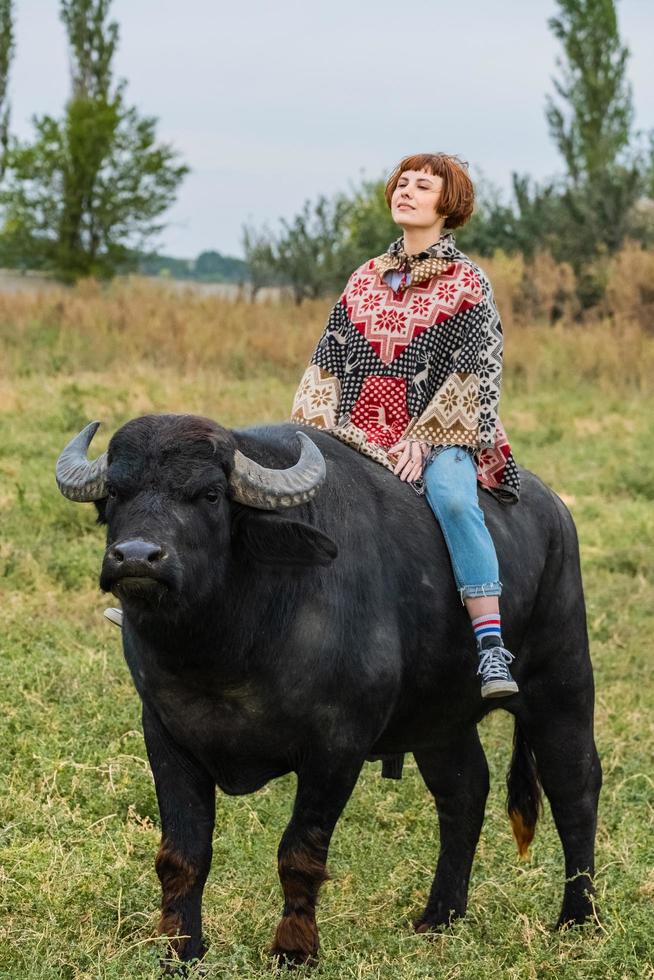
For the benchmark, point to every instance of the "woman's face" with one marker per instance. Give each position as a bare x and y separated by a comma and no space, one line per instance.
414,203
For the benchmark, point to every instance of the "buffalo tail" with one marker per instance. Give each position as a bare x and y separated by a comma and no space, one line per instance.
524,801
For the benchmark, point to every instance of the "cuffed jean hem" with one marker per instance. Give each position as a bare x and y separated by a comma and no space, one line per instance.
480,591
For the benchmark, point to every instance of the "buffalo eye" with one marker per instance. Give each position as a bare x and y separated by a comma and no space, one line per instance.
112,492
212,496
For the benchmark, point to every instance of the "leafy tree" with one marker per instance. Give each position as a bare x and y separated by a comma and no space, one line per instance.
6,54
540,218
86,195
642,224
93,43
591,125
492,226
370,227
312,251
260,259
214,267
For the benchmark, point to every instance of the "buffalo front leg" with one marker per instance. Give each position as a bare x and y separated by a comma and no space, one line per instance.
457,777
186,795
302,856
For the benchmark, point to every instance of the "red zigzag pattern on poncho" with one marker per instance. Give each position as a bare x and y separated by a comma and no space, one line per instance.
390,324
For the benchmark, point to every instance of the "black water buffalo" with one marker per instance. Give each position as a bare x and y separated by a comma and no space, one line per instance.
272,628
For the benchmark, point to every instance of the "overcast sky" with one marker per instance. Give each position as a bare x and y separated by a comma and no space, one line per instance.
272,103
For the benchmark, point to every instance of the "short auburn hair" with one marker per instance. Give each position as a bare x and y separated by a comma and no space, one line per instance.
458,194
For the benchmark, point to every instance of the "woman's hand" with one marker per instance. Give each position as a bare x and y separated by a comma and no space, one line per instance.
413,454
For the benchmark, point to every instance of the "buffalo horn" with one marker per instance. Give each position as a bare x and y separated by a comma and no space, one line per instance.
258,486
78,478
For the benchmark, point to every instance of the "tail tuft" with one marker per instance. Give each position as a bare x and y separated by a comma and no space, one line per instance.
524,800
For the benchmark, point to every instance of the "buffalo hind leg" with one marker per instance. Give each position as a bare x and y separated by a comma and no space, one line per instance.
302,856
457,778
186,796
571,775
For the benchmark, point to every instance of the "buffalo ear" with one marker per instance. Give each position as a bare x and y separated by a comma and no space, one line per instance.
101,506
275,540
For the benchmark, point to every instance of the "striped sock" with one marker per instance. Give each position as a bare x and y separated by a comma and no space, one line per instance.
488,628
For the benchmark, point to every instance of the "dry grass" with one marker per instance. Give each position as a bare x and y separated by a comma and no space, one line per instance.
94,328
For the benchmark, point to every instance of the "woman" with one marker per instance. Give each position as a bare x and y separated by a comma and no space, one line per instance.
408,372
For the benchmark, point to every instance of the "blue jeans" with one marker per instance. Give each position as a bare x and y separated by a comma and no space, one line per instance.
451,489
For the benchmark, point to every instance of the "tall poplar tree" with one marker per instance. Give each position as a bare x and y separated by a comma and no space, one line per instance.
591,123
6,54
91,189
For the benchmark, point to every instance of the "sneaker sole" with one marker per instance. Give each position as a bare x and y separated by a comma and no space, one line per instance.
499,689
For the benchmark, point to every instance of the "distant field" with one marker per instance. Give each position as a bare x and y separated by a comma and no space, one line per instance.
78,814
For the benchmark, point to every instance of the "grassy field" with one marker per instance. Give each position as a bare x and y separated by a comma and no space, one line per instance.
79,820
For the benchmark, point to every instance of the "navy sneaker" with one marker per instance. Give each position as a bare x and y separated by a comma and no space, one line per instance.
496,680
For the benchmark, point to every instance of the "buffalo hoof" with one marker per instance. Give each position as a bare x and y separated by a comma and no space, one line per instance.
291,959
296,942
174,968
182,967
424,926
572,921
435,923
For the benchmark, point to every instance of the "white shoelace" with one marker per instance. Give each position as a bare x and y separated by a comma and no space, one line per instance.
494,663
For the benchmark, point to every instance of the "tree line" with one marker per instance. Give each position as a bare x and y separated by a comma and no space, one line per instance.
87,194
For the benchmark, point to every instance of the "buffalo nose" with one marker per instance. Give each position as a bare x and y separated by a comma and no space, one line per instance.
141,551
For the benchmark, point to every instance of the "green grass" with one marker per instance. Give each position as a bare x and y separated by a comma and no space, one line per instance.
79,820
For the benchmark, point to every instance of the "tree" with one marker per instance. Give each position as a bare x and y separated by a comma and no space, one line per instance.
592,126
6,55
212,266
93,44
370,227
540,219
492,226
89,192
312,252
260,259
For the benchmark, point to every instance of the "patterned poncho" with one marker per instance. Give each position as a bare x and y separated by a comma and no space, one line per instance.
422,361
